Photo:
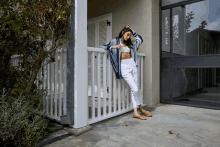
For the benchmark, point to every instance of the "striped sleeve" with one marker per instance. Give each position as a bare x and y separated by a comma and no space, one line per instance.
107,46
138,40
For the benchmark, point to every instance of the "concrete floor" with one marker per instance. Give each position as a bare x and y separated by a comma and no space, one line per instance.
191,127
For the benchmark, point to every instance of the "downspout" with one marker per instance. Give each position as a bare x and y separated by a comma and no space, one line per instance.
69,117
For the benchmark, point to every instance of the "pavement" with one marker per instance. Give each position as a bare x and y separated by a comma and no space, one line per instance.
189,126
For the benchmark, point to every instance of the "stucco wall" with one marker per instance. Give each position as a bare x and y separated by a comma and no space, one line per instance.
143,17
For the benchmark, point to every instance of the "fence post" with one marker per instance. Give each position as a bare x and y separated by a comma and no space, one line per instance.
81,65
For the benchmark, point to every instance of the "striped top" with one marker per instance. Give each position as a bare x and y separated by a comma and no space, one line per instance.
115,53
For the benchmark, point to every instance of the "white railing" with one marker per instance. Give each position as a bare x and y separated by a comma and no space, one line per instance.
107,96
53,77
15,59
103,104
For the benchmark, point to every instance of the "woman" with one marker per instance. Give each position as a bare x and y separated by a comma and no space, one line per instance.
126,67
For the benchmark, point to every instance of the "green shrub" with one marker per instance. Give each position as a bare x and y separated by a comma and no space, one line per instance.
20,124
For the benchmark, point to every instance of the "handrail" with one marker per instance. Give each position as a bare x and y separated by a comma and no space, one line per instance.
18,55
95,49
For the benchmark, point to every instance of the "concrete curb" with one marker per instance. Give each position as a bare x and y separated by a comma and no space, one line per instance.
79,131
54,137
54,127
61,134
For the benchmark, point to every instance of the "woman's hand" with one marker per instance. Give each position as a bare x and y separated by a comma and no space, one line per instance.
117,46
130,28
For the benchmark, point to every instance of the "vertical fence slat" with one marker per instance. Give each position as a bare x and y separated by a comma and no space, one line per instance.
130,94
119,95
45,81
93,83
56,82
62,80
55,92
64,76
41,83
109,85
139,71
37,80
44,86
43,71
104,84
41,77
48,88
142,78
98,80
123,94
139,77
114,93
51,87
60,84
38,75
127,95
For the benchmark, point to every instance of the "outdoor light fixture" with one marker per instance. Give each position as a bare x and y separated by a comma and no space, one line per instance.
108,23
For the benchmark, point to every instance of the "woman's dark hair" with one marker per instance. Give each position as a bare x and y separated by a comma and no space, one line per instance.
124,30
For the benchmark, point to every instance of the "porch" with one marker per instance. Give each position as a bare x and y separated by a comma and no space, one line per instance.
81,85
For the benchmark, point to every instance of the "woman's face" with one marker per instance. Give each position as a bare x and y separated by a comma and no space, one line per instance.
127,35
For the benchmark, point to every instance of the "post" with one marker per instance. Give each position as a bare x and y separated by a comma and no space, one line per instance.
80,65
77,67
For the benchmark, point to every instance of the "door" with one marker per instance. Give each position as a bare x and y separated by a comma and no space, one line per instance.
99,32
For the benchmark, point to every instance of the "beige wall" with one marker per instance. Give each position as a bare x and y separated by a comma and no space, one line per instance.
143,17
155,52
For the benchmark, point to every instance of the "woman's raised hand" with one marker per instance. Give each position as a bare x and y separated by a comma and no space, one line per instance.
119,46
130,28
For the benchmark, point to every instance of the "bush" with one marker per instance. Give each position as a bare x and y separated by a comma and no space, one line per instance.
20,124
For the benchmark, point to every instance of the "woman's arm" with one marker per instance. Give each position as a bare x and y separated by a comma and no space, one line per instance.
138,39
133,41
107,46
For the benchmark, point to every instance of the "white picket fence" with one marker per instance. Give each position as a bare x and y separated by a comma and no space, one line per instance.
104,104
53,77
107,96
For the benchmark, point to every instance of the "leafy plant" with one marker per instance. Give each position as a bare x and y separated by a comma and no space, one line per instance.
33,29
19,123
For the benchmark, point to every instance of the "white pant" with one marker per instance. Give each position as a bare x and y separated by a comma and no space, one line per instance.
129,73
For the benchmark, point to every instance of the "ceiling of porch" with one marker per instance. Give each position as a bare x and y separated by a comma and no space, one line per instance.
101,7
